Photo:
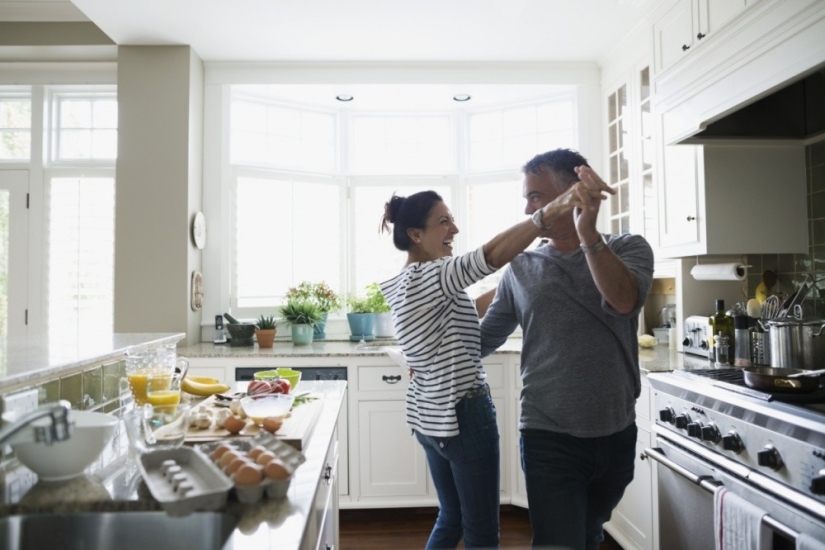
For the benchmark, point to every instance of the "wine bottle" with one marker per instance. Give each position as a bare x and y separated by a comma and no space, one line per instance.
721,322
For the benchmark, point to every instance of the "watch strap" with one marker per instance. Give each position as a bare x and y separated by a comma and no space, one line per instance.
537,218
600,245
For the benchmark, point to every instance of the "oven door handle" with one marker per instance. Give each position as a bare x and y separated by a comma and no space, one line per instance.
710,484
705,482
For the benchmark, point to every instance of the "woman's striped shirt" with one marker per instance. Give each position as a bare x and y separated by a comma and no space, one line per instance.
437,327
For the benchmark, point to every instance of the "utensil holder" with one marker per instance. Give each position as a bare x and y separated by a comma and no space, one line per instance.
760,347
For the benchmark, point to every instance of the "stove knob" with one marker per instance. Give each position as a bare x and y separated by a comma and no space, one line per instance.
818,483
769,457
686,341
682,421
667,415
704,345
695,429
711,433
732,442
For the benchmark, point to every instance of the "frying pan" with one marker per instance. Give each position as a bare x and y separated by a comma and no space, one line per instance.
785,380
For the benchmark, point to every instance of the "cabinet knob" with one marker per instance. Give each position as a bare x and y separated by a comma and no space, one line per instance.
691,218
391,379
685,47
700,36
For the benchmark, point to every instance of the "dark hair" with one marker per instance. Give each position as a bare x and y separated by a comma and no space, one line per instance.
406,212
559,163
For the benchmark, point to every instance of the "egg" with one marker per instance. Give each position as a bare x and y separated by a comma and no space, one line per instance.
220,450
236,464
275,469
249,474
272,424
227,457
264,458
234,424
255,451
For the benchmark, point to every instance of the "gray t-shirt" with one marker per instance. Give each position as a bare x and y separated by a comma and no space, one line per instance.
580,358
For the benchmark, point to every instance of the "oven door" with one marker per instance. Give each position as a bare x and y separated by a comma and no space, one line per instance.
688,474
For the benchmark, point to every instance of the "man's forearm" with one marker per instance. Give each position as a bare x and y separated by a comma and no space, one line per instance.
616,283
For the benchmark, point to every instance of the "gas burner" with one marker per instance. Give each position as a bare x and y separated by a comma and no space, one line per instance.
733,379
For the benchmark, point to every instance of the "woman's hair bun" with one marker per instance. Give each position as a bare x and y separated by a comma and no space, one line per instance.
393,207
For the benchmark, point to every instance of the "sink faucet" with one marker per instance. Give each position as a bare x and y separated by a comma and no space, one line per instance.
59,429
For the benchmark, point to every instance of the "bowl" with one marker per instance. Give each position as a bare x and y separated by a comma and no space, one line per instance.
258,407
241,333
290,375
91,431
161,427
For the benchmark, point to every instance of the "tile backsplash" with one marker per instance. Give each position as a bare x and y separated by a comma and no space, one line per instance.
791,269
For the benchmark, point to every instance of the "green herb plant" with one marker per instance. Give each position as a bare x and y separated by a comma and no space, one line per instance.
319,294
266,322
378,303
301,312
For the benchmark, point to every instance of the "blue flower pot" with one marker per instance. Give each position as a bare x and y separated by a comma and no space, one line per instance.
319,332
361,326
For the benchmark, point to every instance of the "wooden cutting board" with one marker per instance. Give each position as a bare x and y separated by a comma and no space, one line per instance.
296,429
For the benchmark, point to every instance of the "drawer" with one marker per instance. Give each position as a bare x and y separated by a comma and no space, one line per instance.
389,378
643,403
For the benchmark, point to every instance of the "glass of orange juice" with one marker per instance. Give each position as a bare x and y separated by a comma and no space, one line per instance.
162,388
137,383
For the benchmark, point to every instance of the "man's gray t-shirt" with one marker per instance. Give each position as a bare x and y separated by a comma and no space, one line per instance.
580,358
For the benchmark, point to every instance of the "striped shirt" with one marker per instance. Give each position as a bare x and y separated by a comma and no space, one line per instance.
438,329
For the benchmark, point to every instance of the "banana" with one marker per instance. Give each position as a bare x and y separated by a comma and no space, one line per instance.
193,385
204,379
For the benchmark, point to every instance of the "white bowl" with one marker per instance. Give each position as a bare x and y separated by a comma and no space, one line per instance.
91,431
263,405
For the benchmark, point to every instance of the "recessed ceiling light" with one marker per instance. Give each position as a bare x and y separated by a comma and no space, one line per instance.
462,97
344,97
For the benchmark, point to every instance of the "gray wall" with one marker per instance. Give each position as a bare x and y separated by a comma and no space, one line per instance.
160,109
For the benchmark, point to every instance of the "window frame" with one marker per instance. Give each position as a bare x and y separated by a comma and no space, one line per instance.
52,138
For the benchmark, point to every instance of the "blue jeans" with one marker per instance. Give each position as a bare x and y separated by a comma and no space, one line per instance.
574,483
465,471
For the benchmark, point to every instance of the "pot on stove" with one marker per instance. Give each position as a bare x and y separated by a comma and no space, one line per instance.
797,344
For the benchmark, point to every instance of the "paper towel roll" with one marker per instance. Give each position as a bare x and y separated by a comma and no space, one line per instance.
719,272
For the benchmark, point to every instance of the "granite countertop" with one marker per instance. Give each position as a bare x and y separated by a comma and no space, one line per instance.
266,525
318,348
35,358
661,359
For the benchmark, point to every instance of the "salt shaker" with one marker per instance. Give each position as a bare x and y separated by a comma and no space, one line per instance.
722,350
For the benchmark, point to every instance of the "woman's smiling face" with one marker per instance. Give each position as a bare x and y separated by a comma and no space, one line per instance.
436,239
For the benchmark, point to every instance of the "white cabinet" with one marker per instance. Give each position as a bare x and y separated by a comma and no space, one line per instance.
633,524
732,199
681,26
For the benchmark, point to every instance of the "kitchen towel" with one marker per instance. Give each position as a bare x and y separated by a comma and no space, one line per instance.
738,524
807,542
719,272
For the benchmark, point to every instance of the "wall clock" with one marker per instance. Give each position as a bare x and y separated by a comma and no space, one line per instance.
199,230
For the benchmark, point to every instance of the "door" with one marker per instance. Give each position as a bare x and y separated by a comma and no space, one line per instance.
673,35
14,240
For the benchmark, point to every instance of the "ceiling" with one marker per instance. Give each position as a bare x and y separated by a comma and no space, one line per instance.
355,30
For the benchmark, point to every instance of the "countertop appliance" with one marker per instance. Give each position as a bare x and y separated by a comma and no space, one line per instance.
697,335
713,432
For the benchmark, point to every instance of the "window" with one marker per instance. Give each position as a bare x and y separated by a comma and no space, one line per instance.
81,252
84,128
268,134
618,147
402,144
287,229
15,127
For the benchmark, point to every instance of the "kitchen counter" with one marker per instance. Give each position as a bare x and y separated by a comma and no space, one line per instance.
661,359
34,359
318,348
266,525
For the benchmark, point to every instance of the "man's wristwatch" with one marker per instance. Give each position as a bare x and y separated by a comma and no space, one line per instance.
538,221
600,245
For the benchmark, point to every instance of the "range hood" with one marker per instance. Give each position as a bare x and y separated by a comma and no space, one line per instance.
796,111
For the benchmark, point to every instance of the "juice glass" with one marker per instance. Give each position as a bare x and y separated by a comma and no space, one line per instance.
163,389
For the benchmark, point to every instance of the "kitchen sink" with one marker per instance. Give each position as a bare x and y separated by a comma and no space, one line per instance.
117,530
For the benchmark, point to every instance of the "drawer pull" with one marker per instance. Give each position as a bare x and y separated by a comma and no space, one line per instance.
391,379
328,474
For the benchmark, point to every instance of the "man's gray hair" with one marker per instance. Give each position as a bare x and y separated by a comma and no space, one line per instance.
559,163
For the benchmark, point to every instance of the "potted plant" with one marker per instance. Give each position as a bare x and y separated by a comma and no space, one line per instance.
383,314
302,316
361,319
265,329
321,295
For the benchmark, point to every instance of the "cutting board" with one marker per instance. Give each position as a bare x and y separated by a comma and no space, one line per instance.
296,429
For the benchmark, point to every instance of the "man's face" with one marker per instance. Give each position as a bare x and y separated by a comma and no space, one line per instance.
538,190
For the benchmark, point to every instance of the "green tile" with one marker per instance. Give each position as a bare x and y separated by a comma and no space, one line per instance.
71,389
817,205
804,263
49,392
112,374
818,232
110,407
785,263
93,387
816,154
817,179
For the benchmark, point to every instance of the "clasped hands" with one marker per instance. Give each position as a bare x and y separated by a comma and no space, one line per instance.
583,199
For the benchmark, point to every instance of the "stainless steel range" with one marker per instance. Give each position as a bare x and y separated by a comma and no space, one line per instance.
713,431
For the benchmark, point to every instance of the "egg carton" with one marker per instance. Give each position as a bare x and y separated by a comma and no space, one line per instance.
271,488
183,480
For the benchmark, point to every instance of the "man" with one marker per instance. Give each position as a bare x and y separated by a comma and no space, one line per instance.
577,299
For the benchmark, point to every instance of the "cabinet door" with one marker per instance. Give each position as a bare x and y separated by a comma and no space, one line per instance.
673,34
391,462
632,520
713,14
679,196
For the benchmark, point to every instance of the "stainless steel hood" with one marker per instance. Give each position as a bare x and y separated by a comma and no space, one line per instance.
796,111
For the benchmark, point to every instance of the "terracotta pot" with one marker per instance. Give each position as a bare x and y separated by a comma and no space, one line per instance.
266,338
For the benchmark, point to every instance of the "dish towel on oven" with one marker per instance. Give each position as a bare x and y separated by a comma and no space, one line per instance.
738,524
807,542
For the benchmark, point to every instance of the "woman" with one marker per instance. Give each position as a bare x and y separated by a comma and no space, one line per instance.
448,401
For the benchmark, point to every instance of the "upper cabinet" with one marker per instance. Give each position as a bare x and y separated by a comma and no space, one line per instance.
681,26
